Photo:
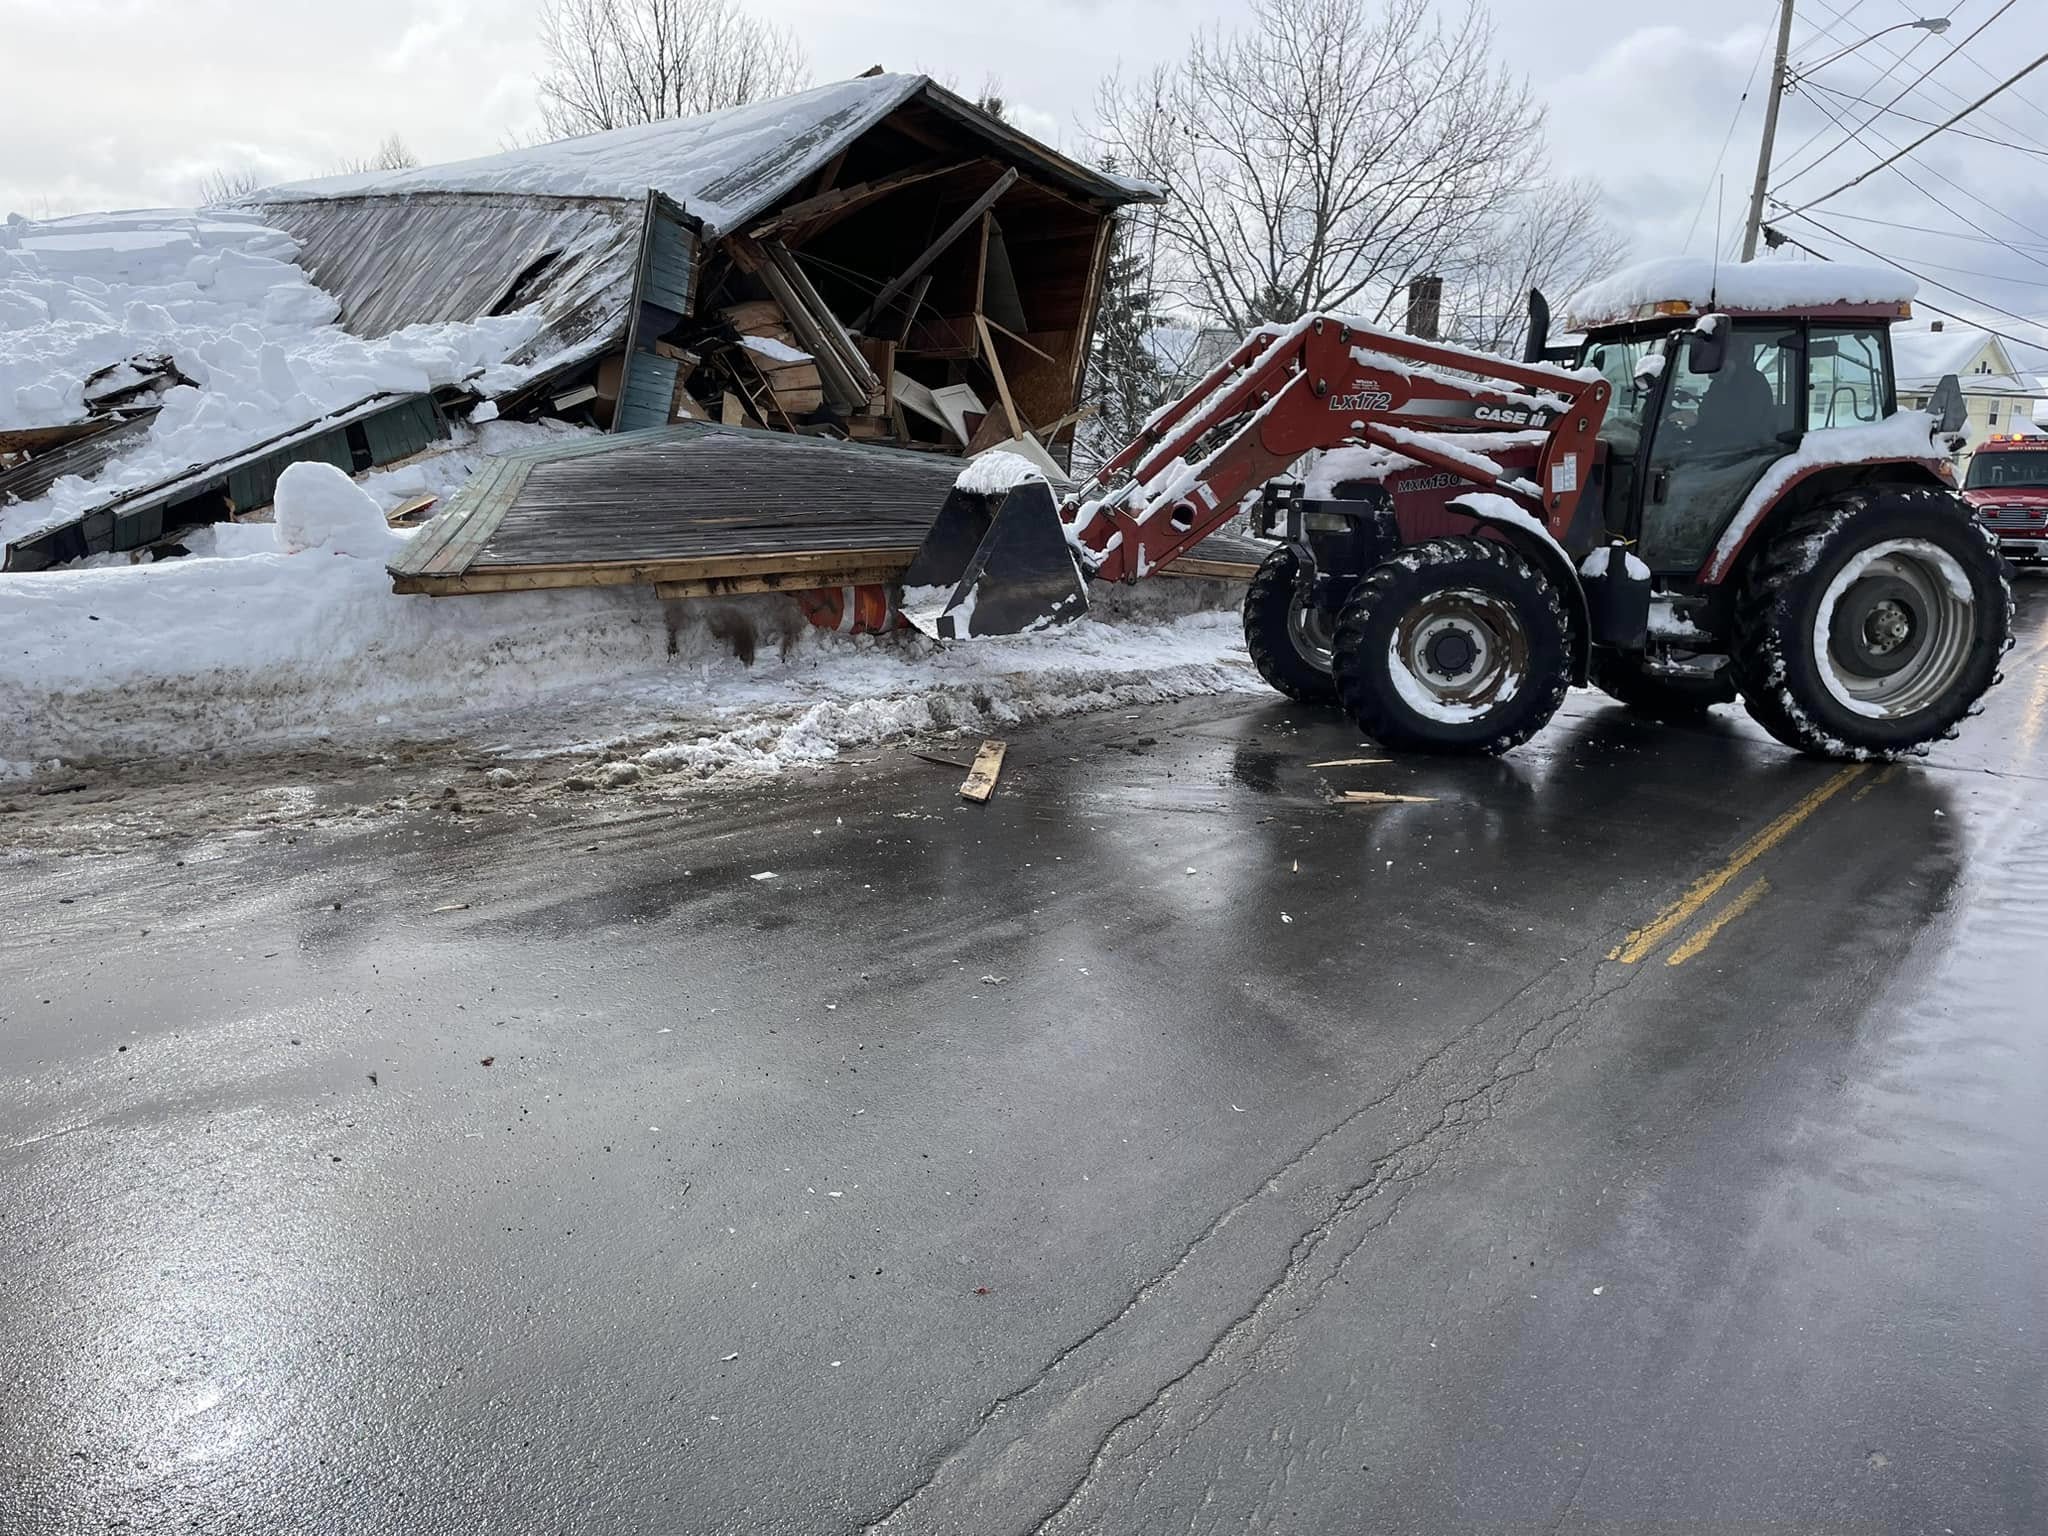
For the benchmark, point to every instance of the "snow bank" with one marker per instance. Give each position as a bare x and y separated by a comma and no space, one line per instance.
258,647
218,295
1779,283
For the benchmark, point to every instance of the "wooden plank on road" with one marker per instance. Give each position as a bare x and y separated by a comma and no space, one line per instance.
981,778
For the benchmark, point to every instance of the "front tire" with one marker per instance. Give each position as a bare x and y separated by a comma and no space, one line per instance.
1456,645
1872,624
1289,640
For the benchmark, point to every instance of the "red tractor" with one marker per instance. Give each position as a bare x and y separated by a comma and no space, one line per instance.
1716,497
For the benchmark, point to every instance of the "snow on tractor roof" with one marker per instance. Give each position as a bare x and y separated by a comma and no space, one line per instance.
1691,284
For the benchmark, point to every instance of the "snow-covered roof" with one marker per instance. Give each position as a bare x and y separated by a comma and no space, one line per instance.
1777,283
1921,352
723,167
220,295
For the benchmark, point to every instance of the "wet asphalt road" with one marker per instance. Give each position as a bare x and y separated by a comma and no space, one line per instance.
1157,1148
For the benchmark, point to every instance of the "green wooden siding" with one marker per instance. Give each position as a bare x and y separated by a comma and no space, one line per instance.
647,393
671,264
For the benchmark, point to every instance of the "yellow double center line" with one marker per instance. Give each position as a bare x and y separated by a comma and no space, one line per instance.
1703,890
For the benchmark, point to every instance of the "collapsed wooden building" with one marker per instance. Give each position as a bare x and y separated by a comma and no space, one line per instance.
877,259
876,263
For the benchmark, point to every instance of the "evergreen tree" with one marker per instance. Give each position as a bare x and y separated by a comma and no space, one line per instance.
1125,383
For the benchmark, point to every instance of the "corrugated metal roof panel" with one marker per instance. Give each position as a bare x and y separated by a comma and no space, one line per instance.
398,261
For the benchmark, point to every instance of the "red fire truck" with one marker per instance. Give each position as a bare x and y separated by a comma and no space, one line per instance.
2007,487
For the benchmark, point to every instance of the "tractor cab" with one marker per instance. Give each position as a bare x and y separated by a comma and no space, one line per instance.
1706,400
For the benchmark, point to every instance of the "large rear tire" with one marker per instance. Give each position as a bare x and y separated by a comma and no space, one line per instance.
1873,623
1622,676
1456,645
1289,641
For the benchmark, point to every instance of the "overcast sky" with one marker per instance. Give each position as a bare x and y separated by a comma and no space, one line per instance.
127,103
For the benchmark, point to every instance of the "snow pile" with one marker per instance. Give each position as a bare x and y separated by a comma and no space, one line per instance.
218,295
320,508
994,472
252,647
1781,283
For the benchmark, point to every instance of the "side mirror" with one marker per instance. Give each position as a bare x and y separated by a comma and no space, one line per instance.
1538,344
1709,345
1948,408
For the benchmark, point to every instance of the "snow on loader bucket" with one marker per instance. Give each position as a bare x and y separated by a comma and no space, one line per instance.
995,563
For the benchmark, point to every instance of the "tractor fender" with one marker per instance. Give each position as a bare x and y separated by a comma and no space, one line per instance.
1769,500
1532,541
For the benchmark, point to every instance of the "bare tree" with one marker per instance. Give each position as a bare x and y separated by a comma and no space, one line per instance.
1551,236
616,62
1324,154
227,184
394,154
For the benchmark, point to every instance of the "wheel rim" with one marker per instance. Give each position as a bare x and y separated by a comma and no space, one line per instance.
1458,654
1894,629
1313,631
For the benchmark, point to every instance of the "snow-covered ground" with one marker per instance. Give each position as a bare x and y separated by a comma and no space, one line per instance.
288,634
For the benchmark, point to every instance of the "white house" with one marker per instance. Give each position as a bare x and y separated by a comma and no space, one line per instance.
2000,397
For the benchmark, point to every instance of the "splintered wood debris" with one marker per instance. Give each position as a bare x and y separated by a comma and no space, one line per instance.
981,779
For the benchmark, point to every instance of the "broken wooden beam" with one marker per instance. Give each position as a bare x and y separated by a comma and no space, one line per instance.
937,248
846,199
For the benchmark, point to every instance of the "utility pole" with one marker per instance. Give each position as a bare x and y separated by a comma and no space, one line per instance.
1763,151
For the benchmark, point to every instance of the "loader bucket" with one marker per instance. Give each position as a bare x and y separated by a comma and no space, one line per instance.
994,564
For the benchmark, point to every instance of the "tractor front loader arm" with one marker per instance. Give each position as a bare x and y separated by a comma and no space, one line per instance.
1000,559
1325,382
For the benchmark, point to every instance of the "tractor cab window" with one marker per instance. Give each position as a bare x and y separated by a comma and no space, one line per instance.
1845,376
1622,428
1715,436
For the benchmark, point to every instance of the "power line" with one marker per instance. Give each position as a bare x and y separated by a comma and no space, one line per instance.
1965,133
1946,207
1901,154
1939,97
1896,60
2009,314
1728,137
1917,229
1978,64
1906,90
